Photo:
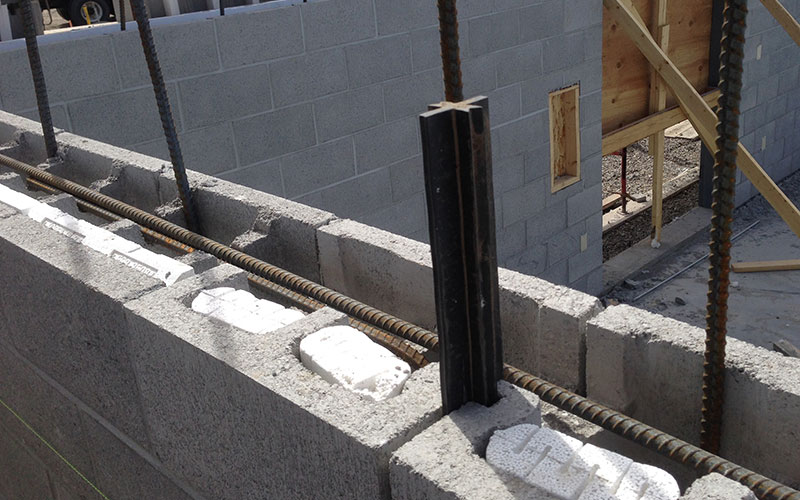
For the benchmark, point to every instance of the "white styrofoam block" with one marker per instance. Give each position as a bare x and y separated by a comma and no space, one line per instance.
345,356
242,309
567,469
101,240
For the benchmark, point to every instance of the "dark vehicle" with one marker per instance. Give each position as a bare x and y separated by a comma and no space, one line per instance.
73,10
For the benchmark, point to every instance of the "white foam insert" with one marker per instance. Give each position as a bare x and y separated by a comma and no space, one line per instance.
101,240
242,309
568,469
345,356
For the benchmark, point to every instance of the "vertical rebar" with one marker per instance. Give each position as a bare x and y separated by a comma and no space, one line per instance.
724,187
39,85
451,57
221,7
121,15
159,87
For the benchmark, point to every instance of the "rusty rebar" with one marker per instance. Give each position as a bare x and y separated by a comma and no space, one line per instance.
451,57
39,85
731,56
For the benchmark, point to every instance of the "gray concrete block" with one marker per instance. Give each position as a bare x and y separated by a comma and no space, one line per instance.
542,20
16,94
209,149
524,202
536,92
425,48
308,76
66,80
562,246
404,218
474,8
508,174
374,61
386,144
630,353
717,487
585,262
334,23
184,50
123,118
57,113
272,134
589,74
381,269
505,104
532,260
549,222
251,37
519,63
407,178
584,204
537,162
354,197
591,108
493,32
510,242
479,75
520,136
248,397
225,96
264,176
447,460
582,14
591,139
411,95
343,114
395,17
563,51
23,475
318,167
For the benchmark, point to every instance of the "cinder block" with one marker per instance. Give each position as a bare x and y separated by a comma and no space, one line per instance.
123,118
327,24
16,93
532,260
717,487
343,114
184,50
272,134
251,37
563,246
524,202
510,242
386,144
354,197
308,76
445,461
217,391
508,174
23,475
630,353
225,96
547,223
479,75
374,61
66,80
425,48
394,17
582,14
381,269
585,262
264,176
589,74
535,92
318,167
520,136
493,32
542,20
563,51
209,150
411,96
504,104
584,204
519,63
474,8
405,218
57,113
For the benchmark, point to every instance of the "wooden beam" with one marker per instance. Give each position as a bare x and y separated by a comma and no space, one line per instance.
699,113
638,130
784,17
658,101
764,266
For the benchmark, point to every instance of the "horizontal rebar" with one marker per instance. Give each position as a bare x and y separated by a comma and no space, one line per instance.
612,420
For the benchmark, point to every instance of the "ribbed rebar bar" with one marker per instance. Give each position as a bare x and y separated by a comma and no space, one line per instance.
39,85
614,421
724,188
167,122
451,56
121,15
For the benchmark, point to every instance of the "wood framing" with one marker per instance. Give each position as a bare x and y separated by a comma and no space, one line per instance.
700,114
636,131
565,137
658,101
626,73
775,265
784,17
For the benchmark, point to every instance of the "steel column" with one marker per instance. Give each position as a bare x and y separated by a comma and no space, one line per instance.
39,84
456,150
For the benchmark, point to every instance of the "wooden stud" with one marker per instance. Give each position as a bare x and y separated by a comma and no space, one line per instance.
784,17
764,266
699,113
658,101
565,137
636,131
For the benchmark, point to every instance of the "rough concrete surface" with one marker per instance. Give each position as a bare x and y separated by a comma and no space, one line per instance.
717,487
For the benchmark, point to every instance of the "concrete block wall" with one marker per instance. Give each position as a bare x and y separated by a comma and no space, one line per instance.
318,103
770,119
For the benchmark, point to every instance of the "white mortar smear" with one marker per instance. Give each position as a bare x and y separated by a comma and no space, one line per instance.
242,309
567,469
101,240
345,356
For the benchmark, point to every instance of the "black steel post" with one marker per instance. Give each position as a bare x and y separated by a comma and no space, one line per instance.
39,85
731,57
456,147
167,122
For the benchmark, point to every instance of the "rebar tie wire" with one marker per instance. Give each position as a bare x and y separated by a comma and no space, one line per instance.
451,57
612,420
167,122
39,85
724,188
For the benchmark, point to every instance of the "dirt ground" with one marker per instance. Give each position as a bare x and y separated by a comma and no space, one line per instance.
763,307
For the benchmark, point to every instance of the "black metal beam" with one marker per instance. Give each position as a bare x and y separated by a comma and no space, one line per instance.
456,145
